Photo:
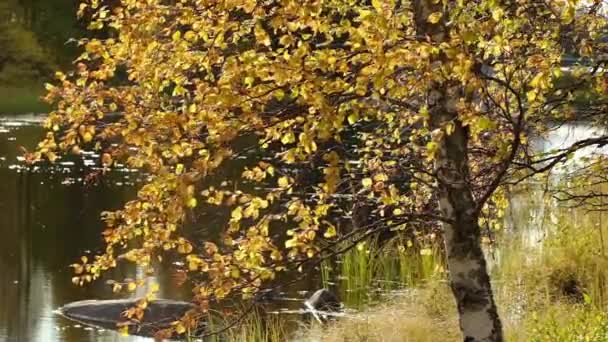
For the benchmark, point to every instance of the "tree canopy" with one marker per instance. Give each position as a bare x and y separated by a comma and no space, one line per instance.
421,112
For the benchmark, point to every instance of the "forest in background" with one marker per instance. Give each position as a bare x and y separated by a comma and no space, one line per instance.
35,40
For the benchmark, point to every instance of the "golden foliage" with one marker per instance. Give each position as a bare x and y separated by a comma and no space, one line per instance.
303,77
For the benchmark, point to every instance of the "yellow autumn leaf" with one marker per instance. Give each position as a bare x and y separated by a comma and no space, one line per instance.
131,286
235,273
237,213
184,247
330,232
180,328
353,118
288,138
291,243
192,202
106,159
87,136
434,17
377,4
283,182
190,36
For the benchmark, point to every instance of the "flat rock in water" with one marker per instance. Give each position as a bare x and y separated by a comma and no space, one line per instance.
108,313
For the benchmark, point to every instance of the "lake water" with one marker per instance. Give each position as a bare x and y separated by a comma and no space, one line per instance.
49,217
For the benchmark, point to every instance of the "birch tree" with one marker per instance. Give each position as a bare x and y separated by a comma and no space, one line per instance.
420,109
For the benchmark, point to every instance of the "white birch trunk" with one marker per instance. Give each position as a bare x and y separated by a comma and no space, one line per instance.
468,275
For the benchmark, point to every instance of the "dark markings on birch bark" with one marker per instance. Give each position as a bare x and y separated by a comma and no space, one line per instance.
468,274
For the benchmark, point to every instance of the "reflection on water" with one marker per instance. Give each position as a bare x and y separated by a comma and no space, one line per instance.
48,219
562,137
533,200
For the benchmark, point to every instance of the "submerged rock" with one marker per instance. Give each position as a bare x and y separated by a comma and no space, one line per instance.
322,304
107,314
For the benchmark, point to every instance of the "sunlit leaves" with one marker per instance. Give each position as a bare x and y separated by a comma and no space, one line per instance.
106,159
330,232
183,246
180,328
434,18
131,286
283,182
337,97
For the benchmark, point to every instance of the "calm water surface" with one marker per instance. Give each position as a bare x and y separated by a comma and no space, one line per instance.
48,219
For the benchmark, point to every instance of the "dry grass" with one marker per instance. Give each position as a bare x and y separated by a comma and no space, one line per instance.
532,287
415,316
